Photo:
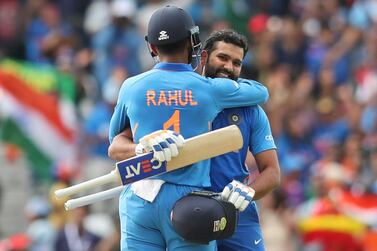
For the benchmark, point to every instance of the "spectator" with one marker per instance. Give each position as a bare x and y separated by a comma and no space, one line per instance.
44,35
11,34
96,125
118,43
74,236
40,231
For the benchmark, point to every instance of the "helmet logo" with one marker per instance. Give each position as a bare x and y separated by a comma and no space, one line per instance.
219,225
163,36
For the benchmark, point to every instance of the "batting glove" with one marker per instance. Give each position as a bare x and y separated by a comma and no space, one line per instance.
238,194
164,144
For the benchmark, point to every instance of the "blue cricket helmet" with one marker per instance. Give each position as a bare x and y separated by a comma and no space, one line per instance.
171,24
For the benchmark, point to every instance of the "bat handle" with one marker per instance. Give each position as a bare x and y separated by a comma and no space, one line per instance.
107,178
93,198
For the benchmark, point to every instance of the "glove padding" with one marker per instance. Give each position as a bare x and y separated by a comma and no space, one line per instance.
238,194
164,144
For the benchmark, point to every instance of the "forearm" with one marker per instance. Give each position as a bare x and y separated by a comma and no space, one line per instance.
121,148
268,180
241,195
269,177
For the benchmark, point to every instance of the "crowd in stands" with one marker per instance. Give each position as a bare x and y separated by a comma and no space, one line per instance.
318,59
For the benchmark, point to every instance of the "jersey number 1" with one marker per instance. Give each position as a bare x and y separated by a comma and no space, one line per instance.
173,121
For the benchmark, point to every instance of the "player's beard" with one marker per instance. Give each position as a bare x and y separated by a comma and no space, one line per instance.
214,72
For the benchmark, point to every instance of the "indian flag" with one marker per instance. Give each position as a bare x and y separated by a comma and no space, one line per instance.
37,114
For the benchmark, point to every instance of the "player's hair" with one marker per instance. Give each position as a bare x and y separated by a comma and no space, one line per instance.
227,36
173,47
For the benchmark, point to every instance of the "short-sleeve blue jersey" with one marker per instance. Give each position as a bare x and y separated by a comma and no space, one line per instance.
172,96
256,132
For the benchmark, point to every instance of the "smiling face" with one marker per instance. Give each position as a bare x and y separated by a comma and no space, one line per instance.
225,61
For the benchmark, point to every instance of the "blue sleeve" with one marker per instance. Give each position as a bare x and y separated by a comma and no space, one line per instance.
229,93
261,136
119,121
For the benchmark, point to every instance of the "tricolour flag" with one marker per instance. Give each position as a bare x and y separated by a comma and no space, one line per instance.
37,114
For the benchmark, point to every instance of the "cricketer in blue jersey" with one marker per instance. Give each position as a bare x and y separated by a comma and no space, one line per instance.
170,96
222,56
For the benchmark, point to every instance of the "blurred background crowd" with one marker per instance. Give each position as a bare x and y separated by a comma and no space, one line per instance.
62,63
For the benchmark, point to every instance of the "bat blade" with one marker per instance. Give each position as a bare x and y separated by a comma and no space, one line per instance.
207,145
198,148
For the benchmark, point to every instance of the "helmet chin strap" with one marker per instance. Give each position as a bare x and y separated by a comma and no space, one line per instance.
196,47
195,55
203,70
156,59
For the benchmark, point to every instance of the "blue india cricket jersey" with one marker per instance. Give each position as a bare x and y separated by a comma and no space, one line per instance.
172,96
256,132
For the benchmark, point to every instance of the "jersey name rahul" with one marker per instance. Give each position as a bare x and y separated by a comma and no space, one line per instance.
170,98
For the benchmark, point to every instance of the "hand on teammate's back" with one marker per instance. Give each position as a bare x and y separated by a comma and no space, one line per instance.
165,144
238,194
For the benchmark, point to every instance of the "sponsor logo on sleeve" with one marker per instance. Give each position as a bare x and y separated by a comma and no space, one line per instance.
269,137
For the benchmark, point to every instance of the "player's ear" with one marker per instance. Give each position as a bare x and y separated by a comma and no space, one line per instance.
154,51
203,57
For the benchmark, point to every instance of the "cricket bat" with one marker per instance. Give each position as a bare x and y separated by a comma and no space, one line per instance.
198,148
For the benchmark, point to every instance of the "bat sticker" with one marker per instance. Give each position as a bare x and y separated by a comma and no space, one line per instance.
140,167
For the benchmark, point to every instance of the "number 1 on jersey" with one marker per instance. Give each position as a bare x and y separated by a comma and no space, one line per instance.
173,121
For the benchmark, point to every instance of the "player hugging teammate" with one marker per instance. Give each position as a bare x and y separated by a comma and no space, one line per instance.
172,96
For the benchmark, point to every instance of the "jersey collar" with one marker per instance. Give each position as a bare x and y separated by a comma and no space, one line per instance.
173,67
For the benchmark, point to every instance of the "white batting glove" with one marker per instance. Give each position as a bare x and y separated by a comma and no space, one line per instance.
164,144
238,194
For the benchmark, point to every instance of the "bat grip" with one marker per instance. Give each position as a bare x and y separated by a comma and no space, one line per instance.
93,198
107,178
